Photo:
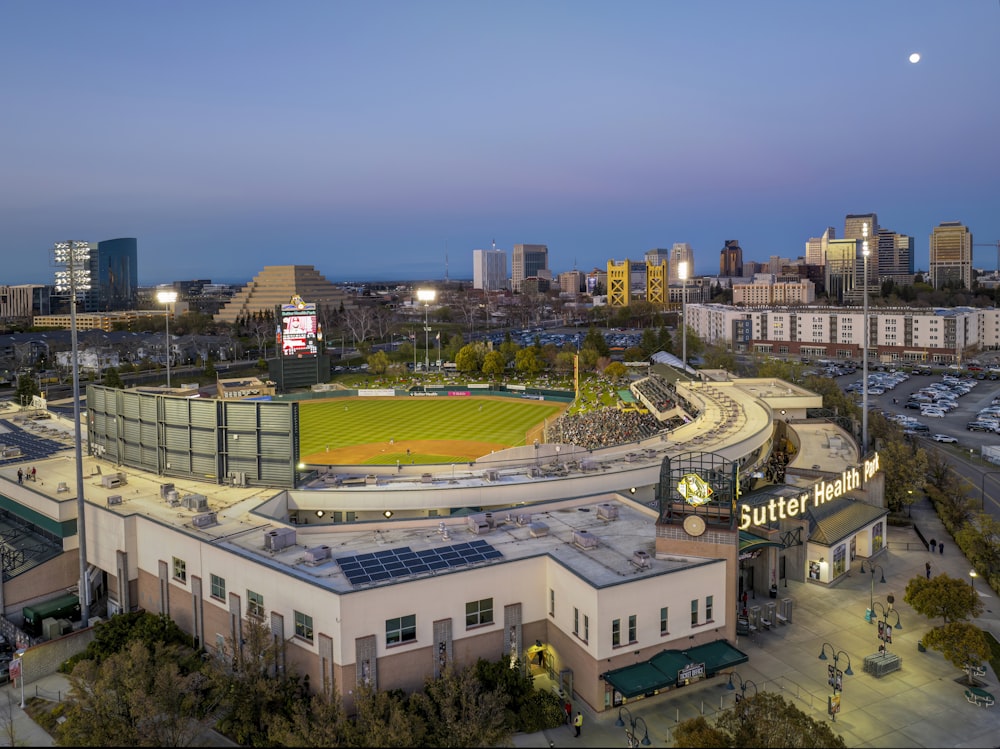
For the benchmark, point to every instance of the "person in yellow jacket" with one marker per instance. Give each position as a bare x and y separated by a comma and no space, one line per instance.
578,722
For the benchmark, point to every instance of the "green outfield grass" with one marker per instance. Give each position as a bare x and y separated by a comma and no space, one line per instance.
341,422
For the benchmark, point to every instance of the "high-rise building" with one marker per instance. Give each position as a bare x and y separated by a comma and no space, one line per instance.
114,277
489,269
527,261
731,260
816,247
841,275
951,255
276,285
681,252
895,256
854,228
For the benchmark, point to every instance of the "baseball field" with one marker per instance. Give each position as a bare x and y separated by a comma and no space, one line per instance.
384,430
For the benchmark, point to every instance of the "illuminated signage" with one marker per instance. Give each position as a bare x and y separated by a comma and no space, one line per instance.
787,508
694,489
298,331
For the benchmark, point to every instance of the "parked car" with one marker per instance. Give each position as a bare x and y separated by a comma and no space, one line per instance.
979,426
943,438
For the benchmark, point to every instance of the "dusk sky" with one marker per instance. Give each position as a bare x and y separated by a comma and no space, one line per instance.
373,139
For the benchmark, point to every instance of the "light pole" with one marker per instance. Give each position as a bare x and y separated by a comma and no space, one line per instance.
870,615
972,583
835,677
426,296
76,257
167,298
743,685
982,489
682,273
884,630
864,344
630,732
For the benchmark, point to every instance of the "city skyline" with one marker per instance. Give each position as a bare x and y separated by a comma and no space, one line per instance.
388,141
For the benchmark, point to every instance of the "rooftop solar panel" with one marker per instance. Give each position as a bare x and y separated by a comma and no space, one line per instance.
388,564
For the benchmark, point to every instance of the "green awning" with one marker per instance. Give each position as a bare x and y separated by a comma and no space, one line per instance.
717,656
749,542
639,679
660,671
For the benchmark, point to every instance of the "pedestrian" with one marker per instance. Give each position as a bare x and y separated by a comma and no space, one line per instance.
569,713
928,570
578,722
933,544
20,476
941,549
32,473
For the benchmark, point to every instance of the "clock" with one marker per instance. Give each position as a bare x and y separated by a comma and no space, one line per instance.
694,525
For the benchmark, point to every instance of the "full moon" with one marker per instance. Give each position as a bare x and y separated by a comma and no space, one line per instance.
915,58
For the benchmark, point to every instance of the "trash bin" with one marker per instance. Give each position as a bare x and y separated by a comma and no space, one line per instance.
774,591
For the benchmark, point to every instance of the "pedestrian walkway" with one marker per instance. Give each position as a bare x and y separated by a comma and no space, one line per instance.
920,705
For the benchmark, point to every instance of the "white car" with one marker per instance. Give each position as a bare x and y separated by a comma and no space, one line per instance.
934,413
943,438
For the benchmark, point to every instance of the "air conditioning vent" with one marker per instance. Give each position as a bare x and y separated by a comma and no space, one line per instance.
641,559
538,529
203,519
196,502
607,511
113,480
317,554
279,538
426,478
492,476
524,518
165,490
584,540
115,499
478,524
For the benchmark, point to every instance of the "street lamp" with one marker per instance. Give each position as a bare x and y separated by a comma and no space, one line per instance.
76,257
864,344
682,273
167,298
982,489
630,733
972,583
869,615
884,629
426,296
835,677
744,683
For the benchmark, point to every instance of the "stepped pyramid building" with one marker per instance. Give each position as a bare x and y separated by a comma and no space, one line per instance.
275,285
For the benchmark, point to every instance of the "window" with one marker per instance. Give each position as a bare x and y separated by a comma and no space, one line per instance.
694,613
552,602
709,601
586,628
664,620
576,621
400,630
218,587
303,626
478,613
180,570
616,633
255,604
632,629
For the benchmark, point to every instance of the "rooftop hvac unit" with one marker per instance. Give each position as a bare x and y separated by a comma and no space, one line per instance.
237,478
584,540
607,511
317,554
534,472
441,527
524,518
173,497
493,475
203,519
113,480
426,478
371,480
165,490
489,520
641,559
196,502
115,499
538,529
279,538
478,524
446,534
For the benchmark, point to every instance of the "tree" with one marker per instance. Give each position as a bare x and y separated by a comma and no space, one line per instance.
384,719
320,721
137,697
963,644
904,467
378,362
765,720
942,596
112,379
27,388
493,364
615,371
459,712
595,340
527,361
719,357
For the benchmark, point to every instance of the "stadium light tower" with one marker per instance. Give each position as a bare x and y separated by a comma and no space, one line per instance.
426,296
167,297
864,344
75,258
682,273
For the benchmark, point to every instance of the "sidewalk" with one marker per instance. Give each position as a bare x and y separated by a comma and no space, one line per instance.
921,705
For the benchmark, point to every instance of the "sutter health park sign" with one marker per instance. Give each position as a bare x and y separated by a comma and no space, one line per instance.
783,508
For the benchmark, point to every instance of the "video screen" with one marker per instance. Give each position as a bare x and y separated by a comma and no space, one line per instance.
298,330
